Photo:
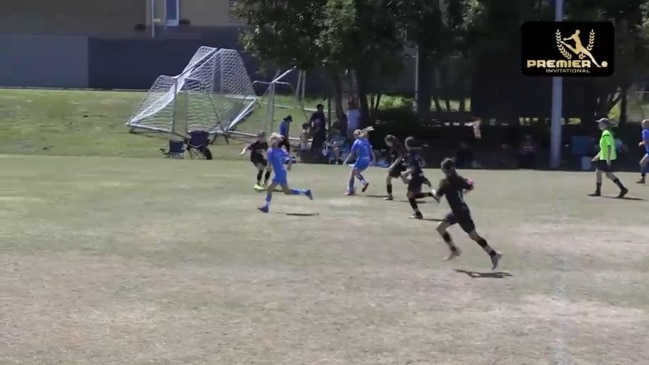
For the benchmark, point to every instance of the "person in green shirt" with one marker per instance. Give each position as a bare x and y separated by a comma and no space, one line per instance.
605,158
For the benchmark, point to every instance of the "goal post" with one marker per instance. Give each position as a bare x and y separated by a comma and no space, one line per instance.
210,94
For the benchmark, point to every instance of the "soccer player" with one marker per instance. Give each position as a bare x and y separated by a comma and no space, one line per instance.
644,162
257,150
605,158
364,153
398,156
417,178
453,187
276,157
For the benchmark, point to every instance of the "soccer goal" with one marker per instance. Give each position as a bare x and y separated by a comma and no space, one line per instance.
279,98
212,93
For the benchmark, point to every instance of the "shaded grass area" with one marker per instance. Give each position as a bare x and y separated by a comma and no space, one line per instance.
92,123
132,261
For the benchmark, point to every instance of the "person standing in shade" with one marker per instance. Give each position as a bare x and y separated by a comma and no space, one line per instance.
644,162
605,158
283,131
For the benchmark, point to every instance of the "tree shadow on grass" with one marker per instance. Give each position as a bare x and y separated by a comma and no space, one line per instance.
484,275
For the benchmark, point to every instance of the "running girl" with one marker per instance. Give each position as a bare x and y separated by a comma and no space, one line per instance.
257,157
364,153
398,155
276,157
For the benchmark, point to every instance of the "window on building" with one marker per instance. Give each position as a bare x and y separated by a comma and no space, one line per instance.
172,12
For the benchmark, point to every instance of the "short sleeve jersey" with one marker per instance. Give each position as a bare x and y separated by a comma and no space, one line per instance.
397,152
645,138
276,158
606,141
362,148
414,162
453,188
257,149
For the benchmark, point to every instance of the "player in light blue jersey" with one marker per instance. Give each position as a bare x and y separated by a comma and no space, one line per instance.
364,154
276,158
644,162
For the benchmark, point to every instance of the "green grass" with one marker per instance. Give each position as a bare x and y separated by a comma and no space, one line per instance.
134,261
92,123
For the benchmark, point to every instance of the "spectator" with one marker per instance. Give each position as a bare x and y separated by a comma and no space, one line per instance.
304,141
319,138
317,118
526,154
284,130
464,156
353,119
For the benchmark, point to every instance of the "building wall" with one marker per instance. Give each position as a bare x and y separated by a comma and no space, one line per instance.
200,13
71,17
43,61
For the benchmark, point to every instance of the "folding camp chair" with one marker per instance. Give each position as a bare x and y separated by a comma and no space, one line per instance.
197,145
176,149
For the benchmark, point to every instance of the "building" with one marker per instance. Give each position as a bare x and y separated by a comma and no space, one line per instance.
115,18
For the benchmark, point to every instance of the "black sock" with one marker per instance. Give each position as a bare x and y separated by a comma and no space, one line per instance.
449,241
598,187
643,174
260,173
266,176
618,183
389,188
413,204
485,246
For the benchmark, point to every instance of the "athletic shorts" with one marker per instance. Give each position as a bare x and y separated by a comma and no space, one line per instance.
259,160
281,179
464,220
396,171
601,165
361,164
415,183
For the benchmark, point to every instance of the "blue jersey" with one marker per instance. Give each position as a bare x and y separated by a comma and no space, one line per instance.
276,158
645,137
362,149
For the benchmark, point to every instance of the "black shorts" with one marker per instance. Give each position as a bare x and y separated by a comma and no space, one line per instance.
259,160
464,220
601,165
397,170
415,183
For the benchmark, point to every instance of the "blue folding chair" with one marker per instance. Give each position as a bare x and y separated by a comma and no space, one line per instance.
197,145
176,150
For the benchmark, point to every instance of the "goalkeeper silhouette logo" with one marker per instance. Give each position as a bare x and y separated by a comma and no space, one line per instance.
581,49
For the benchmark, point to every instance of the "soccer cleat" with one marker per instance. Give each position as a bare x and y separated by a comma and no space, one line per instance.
417,215
308,194
263,209
365,186
623,192
641,181
258,187
389,197
597,193
454,253
350,192
495,259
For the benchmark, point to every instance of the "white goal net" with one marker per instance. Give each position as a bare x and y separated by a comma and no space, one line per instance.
212,93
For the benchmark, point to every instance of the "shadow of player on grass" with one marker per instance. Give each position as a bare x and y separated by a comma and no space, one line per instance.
483,275
625,198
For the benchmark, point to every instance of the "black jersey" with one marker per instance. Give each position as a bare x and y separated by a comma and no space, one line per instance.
397,152
453,187
414,163
257,149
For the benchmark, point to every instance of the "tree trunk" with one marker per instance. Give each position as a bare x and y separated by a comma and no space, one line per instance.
444,84
363,91
624,94
435,87
424,93
337,91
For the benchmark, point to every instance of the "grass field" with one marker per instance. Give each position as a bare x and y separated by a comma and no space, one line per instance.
92,123
132,261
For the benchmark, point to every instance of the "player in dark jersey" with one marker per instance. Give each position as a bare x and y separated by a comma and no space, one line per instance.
453,187
258,158
398,156
417,178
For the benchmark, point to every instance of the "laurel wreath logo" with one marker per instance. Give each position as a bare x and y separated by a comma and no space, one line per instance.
591,43
560,46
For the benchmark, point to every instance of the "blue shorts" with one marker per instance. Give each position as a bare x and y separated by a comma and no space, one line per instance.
361,165
281,179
